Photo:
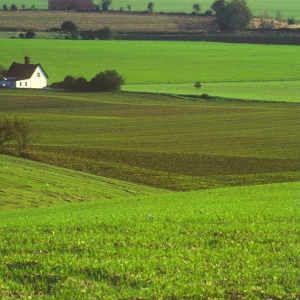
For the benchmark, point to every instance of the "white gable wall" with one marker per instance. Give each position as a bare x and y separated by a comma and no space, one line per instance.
38,79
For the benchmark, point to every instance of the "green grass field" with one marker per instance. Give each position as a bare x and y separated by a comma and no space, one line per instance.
162,141
288,8
171,63
286,91
25,183
225,243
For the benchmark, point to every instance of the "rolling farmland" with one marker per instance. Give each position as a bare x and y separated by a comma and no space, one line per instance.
153,192
288,8
149,66
162,141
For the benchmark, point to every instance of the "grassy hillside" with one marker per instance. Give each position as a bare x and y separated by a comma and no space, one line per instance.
26,183
225,243
162,141
154,62
288,8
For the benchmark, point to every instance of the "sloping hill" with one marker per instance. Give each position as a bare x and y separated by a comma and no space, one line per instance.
25,183
229,243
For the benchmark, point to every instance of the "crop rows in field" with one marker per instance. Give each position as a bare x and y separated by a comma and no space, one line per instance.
163,141
158,62
118,22
288,8
223,243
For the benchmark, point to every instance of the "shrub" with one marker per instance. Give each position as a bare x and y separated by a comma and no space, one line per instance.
13,7
109,80
68,26
30,34
104,33
208,13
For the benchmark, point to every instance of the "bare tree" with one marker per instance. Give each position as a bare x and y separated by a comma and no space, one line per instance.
23,135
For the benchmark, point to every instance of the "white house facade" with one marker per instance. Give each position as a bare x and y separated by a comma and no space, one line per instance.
25,76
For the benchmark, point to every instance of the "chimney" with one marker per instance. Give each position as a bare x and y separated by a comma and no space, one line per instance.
27,60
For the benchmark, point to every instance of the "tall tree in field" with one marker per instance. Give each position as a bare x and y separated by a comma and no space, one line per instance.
197,85
196,7
150,7
105,4
232,16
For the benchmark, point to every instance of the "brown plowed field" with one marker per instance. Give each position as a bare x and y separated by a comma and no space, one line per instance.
118,22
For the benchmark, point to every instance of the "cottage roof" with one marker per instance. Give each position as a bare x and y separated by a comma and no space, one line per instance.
23,71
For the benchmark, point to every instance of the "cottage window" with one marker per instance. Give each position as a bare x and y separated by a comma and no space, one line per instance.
20,83
38,74
26,83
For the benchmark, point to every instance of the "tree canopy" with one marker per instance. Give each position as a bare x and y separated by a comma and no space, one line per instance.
232,16
68,26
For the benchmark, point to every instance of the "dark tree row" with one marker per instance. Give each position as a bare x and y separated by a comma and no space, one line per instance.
108,80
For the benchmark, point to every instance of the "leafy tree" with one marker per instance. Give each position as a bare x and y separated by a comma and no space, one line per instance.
81,84
13,7
105,4
129,7
32,7
23,6
218,5
68,26
233,15
30,34
197,85
4,6
196,7
69,82
150,7
291,21
109,80
278,16
23,135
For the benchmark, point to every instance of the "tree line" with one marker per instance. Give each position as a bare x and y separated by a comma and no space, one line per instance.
107,81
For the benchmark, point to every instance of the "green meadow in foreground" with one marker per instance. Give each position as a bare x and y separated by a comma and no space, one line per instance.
229,243
162,141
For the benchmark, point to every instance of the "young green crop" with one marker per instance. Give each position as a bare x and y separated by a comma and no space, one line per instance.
162,141
142,62
223,243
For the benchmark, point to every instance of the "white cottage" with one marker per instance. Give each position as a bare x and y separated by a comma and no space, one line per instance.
26,76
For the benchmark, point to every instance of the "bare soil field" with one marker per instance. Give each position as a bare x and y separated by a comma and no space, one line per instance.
119,22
